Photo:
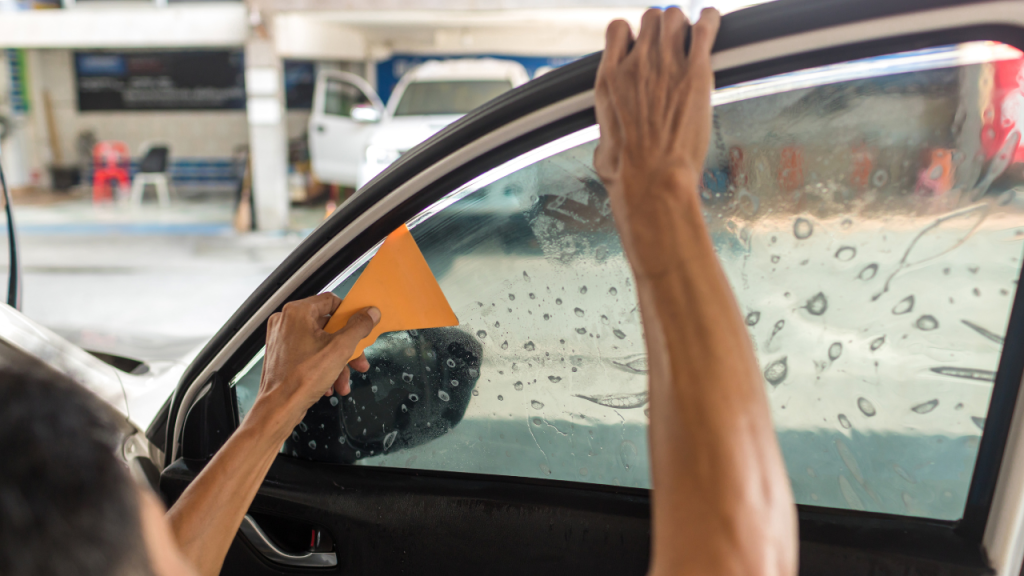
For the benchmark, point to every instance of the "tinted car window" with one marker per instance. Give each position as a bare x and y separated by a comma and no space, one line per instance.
868,218
449,97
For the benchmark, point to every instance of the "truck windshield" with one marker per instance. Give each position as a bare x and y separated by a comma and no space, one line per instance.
448,97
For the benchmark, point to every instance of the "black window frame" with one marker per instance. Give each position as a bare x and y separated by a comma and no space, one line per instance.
957,543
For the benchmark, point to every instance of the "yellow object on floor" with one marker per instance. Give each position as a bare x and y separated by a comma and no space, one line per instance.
399,282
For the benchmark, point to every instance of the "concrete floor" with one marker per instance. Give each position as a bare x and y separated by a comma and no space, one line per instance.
145,282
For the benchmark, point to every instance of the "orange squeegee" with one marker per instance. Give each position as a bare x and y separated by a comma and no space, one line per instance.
398,282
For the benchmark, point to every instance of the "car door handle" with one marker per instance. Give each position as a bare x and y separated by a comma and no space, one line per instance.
321,128
258,538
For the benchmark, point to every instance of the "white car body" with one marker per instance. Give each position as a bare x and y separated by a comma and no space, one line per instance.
348,147
399,132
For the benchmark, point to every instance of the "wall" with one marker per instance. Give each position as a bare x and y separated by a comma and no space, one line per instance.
189,133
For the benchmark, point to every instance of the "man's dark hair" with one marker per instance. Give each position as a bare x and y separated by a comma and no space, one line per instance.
67,505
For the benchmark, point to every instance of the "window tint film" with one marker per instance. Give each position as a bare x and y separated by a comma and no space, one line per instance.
340,97
456,97
870,221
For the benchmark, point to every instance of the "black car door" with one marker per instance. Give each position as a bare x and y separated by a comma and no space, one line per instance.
862,193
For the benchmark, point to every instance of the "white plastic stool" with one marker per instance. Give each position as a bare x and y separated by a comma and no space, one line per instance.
158,180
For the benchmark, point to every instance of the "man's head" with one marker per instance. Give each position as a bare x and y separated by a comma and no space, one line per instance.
67,504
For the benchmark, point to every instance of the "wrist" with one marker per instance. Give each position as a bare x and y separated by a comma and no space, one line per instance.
272,418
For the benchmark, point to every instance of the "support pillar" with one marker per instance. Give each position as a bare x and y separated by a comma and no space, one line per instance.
268,133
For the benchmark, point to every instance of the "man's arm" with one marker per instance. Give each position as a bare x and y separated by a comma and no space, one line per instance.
302,363
721,503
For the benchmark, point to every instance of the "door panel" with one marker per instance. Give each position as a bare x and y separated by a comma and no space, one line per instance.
474,511
337,139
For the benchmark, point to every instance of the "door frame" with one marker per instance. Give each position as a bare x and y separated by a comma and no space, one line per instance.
757,42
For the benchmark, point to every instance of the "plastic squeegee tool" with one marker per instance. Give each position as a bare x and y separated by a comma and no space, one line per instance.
399,283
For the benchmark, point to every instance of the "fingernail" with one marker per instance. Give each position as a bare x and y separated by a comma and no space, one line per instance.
374,314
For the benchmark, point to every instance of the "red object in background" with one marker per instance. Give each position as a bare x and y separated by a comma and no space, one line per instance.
1005,112
863,160
791,170
937,178
110,161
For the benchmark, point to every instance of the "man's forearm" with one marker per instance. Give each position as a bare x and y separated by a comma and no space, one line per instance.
208,514
716,463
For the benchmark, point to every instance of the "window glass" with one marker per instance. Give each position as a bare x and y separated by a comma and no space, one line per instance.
451,97
869,220
340,97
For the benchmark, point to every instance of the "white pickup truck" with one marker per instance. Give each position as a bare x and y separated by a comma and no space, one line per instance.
353,136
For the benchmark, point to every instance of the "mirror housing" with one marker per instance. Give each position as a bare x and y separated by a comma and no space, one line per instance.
365,113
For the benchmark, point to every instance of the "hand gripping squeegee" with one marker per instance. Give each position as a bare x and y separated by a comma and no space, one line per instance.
399,283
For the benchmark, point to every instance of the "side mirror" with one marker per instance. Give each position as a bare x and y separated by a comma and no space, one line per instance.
365,113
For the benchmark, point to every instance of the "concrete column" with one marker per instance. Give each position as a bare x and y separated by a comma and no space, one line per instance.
268,133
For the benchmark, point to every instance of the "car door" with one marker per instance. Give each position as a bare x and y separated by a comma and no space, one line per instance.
862,193
345,111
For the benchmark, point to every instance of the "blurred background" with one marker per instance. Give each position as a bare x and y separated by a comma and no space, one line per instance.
164,156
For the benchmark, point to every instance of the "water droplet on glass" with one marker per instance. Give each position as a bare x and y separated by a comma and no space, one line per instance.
358,454
979,422
334,400
802,228
504,345
776,372
817,305
613,291
500,397
927,322
312,444
303,427
544,468
526,276
846,253
537,422
481,334
414,398
547,316
583,290
581,330
404,409
988,334
454,383
926,407
846,223
904,306
390,439
555,379
406,376
619,334
518,385
536,405
295,436
373,388
835,350
443,395
868,272
511,297
627,454
476,392
778,326
558,301
579,312
473,372
604,319
529,346
877,343
775,259
753,318
866,406
844,421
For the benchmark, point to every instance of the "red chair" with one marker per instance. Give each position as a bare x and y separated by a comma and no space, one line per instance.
110,161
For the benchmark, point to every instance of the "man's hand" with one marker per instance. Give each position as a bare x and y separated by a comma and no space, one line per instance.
304,363
653,103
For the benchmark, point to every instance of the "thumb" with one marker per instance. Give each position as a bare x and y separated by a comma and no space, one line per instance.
359,326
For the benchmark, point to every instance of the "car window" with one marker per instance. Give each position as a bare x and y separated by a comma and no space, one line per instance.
340,97
448,97
869,220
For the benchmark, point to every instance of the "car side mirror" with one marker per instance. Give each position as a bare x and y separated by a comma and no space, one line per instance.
365,113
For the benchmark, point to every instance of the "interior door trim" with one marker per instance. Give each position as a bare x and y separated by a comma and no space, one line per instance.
265,546
1003,537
